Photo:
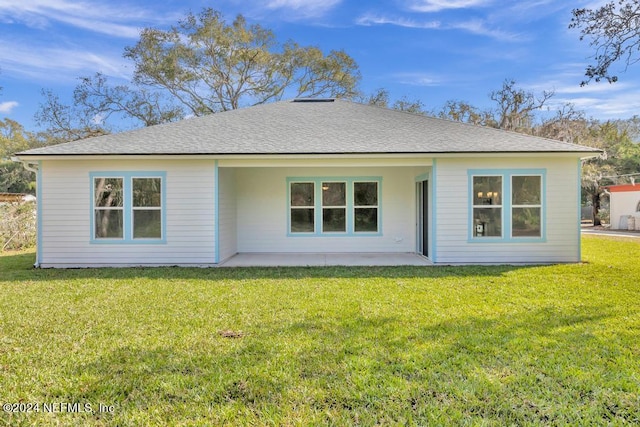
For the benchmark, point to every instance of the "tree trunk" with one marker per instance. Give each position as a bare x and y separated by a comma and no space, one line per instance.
595,202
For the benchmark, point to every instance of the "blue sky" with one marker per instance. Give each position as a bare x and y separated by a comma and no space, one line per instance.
431,50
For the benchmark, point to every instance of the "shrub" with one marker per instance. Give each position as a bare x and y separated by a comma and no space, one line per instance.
17,226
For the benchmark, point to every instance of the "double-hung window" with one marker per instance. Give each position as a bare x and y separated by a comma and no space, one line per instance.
507,205
127,207
333,206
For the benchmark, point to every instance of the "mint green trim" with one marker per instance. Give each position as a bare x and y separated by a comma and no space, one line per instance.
433,250
39,201
579,222
350,220
216,201
506,217
127,183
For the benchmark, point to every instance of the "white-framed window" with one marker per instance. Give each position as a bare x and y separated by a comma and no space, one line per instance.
526,206
108,208
333,206
507,205
128,207
487,206
302,207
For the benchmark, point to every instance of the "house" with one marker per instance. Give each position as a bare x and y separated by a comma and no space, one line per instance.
624,204
319,176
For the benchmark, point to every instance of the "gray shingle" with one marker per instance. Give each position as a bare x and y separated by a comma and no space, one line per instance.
294,127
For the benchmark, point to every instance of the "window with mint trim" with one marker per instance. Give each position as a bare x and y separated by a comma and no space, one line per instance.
487,206
526,206
108,208
147,208
365,205
302,207
507,205
127,207
334,206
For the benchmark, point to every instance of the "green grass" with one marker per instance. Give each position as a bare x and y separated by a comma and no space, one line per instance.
499,345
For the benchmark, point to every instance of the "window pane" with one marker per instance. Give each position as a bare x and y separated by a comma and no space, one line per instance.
526,190
366,219
487,190
147,224
526,222
334,220
487,222
108,224
108,192
334,194
146,192
302,221
302,194
365,193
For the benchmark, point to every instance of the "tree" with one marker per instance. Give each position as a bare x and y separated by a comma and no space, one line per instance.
14,178
202,66
66,122
461,111
515,107
614,33
568,124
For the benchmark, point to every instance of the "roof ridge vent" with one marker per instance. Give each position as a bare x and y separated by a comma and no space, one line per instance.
313,100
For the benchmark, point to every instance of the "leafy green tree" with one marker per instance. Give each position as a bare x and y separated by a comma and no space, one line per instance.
614,32
201,66
14,178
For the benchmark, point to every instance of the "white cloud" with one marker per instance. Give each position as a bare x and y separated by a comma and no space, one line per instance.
477,27
418,79
304,8
58,64
480,28
429,6
6,107
368,20
100,17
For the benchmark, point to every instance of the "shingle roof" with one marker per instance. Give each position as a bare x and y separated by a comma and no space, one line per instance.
310,127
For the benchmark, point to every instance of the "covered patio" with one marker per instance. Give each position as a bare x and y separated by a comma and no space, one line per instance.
324,259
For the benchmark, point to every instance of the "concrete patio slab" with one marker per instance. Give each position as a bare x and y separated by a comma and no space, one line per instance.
321,260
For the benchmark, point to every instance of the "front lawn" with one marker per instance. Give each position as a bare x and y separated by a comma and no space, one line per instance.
499,345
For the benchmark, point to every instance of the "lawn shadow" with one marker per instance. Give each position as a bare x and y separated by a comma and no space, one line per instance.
20,267
357,363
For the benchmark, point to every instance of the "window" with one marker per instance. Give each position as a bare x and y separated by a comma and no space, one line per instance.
127,207
302,207
108,208
487,206
345,206
334,207
365,200
507,205
526,206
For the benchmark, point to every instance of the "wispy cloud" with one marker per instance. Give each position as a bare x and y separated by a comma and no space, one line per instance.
418,79
429,6
58,64
304,8
480,28
368,20
477,27
106,18
6,107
